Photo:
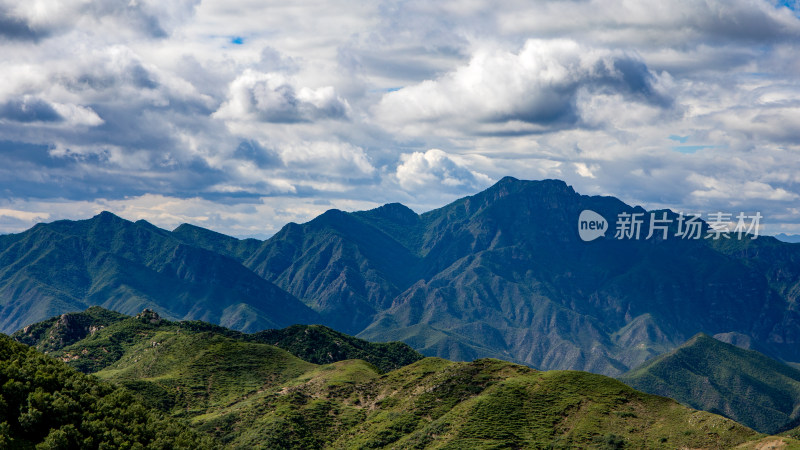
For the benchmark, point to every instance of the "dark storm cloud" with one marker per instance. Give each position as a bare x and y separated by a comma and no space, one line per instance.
33,171
29,110
14,28
253,151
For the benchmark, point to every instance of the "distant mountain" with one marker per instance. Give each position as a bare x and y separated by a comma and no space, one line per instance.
247,394
791,238
710,375
67,266
45,403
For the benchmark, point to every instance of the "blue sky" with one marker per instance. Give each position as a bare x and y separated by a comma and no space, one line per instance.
243,115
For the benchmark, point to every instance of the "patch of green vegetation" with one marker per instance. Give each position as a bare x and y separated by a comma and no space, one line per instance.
47,405
488,403
102,337
201,371
321,345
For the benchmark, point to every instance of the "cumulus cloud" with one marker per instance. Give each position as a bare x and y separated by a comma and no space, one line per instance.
337,157
27,109
435,169
534,90
16,28
677,23
33,20
272,97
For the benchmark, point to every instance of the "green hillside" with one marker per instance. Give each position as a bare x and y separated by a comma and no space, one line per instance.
93,339
46,404
432,403
710,375
191,373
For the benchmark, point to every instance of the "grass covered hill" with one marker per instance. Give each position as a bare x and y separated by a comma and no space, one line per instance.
484,404
710,375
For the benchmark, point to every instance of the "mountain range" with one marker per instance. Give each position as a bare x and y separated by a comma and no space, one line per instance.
503,273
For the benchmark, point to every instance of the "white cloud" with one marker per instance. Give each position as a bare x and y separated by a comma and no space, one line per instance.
78,115
26,216
335,157
435,169
272,97
531,91
644,24
714,188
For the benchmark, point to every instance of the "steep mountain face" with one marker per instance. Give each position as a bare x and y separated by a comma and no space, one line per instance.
67,266
744,385
504,274
341,266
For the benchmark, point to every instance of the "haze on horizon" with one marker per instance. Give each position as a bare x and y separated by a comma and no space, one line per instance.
241,116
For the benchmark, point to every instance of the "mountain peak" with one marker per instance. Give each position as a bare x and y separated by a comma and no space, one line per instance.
547,182
507,180
107,215
539,188
699,338
106,218
396,212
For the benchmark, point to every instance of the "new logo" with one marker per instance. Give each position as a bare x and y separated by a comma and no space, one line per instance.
591,225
